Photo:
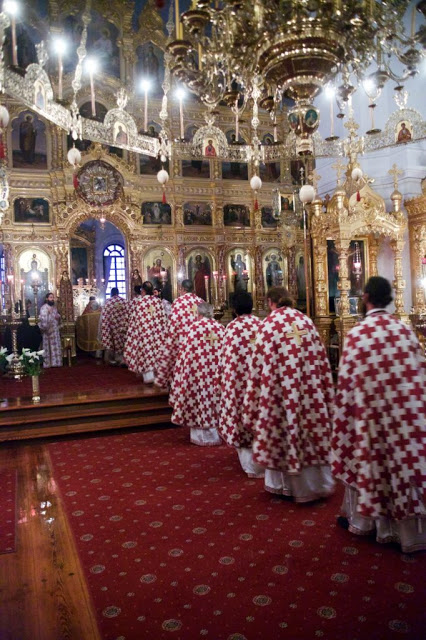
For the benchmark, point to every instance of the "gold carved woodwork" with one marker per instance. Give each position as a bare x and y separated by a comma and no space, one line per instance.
416,209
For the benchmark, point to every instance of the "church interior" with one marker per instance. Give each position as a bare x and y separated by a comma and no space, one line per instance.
241,145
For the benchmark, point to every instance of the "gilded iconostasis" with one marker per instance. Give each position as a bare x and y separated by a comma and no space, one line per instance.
110,172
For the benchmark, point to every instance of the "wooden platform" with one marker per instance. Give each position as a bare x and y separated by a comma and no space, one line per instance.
77,412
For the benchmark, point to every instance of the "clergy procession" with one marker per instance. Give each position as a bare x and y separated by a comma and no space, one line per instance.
265,388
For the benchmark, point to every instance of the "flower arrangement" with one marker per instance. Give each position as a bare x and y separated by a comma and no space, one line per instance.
32,362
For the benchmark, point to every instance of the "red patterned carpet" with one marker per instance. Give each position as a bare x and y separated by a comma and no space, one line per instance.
177,543
86,374
7,511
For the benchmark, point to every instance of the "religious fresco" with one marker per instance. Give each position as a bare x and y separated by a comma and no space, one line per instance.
153,129
236,215
231,136
156,213
239,273
356,272
234,171
150,66
199,265
31,210
196,169
404,131
209,147
268,139
26,39
79,264
275,271
269,171
34,266
190,132
268,219
158,267
120,134
150,166
29,144
102,38
197,213
39,95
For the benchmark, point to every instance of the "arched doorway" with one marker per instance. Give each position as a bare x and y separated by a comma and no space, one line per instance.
98,261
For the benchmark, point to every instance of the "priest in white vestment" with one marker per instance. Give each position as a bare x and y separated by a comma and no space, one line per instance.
146,333
378,444
233,371
114,327
196,399
184,312
289,403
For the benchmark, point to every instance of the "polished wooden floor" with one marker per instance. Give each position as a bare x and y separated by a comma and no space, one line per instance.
43,593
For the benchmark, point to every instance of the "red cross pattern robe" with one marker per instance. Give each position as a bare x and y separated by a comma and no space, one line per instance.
184,312
233,371
145,336
196,403
289,406
114,325
378,444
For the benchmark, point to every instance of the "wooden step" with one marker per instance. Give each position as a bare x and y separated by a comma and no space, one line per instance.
61,414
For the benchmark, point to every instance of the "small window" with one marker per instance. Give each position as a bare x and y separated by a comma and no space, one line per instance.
114,269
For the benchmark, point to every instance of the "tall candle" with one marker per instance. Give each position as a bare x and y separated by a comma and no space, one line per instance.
206,282
92,93
23,296
60,73
182,134
215,279
14,43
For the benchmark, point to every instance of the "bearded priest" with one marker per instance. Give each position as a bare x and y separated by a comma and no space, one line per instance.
378,443
234,369
196,401
184,312
146,334
289,403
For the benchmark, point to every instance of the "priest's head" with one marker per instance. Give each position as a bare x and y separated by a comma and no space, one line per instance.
242,303
147,288
205,310
187,286
114,292
137,289
278,297
377,293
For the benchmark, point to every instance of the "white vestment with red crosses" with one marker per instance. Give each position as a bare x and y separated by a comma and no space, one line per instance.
184,312
378,444
114,324
289,405
146,334
233,371
196,399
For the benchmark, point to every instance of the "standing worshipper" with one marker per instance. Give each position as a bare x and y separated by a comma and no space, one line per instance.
114,327
196,402
289,403
184,312
132,305
378,443
146,334
166,304
49,322
233,371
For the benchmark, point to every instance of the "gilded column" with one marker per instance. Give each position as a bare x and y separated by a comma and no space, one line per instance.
320,277
417,267
292,273
258,278
399,283
373,250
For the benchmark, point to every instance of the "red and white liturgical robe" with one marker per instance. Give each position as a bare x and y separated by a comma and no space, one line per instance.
378,444
234,369
289,405
184,312
146,334
196,401
114,324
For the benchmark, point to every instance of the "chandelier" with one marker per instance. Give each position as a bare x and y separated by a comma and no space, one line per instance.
292,48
